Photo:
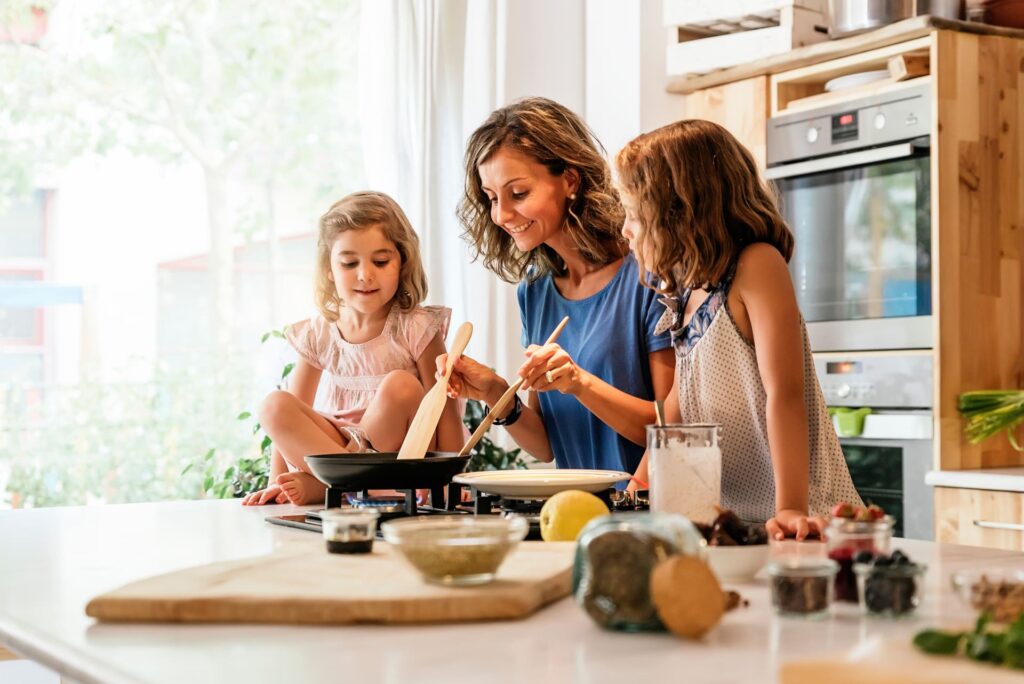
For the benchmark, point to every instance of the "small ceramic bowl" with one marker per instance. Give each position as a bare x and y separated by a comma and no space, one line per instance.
457,551
737,563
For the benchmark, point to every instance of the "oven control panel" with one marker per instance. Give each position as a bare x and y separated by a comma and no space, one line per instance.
877,380
867,122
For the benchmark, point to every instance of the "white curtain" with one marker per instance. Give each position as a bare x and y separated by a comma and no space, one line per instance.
430,72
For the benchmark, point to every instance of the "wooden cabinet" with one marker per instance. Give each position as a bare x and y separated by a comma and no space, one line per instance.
740,106
977,233
980,517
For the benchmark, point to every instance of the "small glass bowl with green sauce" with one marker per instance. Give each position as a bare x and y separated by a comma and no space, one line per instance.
456,551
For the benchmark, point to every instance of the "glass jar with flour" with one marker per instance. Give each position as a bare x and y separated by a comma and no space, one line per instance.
685,469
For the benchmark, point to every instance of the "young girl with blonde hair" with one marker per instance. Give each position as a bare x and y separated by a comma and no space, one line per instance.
372,338
699,217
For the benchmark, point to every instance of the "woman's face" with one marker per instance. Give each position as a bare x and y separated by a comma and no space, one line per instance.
527,201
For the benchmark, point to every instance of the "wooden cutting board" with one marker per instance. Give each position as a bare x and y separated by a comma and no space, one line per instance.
307,585
889,661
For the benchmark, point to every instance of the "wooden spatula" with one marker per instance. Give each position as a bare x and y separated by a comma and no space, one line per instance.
424,423
506,398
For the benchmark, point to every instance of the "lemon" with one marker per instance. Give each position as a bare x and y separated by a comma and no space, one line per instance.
565,514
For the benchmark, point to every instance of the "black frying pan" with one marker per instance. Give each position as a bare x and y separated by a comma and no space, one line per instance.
356,472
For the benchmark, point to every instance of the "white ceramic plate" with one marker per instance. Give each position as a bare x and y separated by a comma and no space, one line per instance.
540,484
859,78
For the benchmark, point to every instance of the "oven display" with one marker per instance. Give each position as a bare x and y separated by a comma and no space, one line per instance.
844,127
843,367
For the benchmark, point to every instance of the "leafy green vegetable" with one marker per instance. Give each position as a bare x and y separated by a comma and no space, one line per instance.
989,412
983,644
938,643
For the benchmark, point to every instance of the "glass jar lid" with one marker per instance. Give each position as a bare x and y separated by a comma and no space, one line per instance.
803,567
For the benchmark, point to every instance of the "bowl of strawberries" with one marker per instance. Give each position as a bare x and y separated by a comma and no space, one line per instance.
853,529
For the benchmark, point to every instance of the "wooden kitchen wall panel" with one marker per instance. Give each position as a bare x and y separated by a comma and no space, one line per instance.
957,511
742,107
977,216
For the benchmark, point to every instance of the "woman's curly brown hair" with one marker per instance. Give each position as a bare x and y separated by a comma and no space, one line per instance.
554,136
700,200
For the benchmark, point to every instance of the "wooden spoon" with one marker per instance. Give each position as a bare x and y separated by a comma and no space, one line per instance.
424,423
506,398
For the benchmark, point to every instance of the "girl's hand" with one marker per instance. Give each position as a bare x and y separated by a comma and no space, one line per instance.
271,495
551,368
793,523
472,380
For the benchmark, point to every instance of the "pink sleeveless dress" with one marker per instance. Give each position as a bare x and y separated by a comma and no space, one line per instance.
354,372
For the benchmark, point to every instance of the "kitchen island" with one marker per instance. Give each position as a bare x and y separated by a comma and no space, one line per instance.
55,560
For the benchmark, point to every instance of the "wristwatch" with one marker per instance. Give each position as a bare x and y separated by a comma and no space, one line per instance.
513,415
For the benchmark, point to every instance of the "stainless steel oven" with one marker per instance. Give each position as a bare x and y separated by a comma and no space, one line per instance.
883,413
854,185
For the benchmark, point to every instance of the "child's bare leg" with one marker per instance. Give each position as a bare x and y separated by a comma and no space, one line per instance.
389,414
297,431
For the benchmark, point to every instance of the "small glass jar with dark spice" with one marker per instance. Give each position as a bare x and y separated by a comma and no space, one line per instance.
349,530
614,558
802,586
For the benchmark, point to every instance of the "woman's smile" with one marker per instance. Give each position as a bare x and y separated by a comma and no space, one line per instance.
516,230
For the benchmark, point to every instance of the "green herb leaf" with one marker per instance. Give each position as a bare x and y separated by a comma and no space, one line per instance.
938,643
243,415
287,370
985,647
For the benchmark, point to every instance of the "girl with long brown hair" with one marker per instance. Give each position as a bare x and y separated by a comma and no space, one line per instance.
540,210
699,217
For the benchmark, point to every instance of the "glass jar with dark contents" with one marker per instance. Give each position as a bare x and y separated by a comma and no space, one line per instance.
802,585
889,585
845,538
349,530
614,558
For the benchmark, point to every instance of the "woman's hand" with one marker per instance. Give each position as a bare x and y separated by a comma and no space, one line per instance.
271,495
551,368
472,380
789,522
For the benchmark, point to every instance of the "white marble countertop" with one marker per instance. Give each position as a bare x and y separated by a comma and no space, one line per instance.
999,479
54,560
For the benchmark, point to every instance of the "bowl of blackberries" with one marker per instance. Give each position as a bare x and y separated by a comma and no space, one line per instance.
737,550
888,584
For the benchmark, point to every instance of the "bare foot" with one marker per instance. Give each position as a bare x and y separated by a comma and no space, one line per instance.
301,488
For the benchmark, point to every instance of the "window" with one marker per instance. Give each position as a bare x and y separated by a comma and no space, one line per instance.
186,187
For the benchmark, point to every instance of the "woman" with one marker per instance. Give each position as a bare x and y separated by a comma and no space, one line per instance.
540,209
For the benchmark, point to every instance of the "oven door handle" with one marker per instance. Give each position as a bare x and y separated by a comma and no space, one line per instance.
840,161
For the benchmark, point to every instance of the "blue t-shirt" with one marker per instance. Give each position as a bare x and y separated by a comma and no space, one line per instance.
610,334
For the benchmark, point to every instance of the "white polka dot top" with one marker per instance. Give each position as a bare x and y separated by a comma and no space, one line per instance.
719,382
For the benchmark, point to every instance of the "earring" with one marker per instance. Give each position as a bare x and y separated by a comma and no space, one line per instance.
572,197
